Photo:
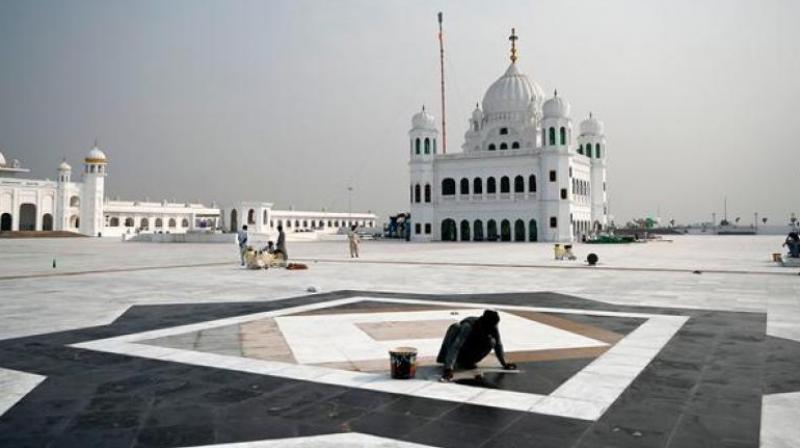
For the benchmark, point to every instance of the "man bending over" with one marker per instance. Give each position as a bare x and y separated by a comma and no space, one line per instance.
469,341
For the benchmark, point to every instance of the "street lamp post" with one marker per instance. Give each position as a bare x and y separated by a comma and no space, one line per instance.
350,205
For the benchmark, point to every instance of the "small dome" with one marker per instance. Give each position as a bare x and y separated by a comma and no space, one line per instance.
2,159
556,107
512,92
95,155
64,166
423,120
592,126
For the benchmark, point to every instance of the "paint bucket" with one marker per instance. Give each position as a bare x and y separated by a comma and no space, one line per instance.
403,362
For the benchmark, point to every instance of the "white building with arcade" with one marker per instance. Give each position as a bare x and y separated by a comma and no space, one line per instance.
523,173
80,206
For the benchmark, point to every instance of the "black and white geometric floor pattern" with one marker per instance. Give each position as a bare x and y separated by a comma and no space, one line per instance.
702,387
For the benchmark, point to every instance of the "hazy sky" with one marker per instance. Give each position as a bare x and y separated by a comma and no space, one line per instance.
292,101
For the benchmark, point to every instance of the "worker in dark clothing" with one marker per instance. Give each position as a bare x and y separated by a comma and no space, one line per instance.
469,341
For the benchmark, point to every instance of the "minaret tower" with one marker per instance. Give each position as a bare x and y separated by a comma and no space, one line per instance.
422,190
94,173
555,170
62,196
592,142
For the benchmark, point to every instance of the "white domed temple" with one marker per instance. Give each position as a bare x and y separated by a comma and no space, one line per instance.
522,175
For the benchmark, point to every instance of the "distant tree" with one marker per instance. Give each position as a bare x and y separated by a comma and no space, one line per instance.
737,219
764,220
672,222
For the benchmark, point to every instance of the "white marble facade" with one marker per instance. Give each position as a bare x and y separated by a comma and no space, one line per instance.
523,173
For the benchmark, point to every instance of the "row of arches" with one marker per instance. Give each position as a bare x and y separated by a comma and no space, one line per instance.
503,146
475,230
144,223
549,135
586,149
426,146
580,187
27,219
449,185
416,193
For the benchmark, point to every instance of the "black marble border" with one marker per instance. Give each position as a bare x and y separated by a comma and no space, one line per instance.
703,389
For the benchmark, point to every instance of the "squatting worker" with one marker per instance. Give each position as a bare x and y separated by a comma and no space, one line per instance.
469,341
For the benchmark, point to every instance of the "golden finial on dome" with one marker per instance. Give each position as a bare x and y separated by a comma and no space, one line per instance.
513,38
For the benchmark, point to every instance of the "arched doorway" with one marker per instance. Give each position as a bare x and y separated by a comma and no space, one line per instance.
478,225
448,230
533,231
519,230
74,222
234,224
465,230
27,217
505,230
5,222
491,231
144,224
251,216
47,222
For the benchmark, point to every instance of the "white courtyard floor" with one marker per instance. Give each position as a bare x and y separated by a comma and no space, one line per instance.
95,282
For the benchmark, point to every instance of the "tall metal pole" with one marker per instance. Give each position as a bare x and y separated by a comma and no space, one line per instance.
350,205
441,69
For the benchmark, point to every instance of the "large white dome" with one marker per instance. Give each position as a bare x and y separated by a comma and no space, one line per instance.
512,92
64,166
423,120
556,107
592,126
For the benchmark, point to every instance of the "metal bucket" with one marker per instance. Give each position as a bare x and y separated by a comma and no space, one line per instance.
403,362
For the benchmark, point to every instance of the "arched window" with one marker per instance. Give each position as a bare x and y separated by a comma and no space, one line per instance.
305,224
503,145
74,201
477,186
251,216
580,149
427,192
427,145
597,150
589,150
515,145
505,185
552,136
297,223
416,147
503,131
411,194
434,146
519,184
465,234
491,230
128,222
505,230
448,230
172,223
264,218
464,187
491,186
492,147
563,135
532,184
159,223
448,187
417,193
185,223
478,229
532,231
519,230
144,223
114,222
47,222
